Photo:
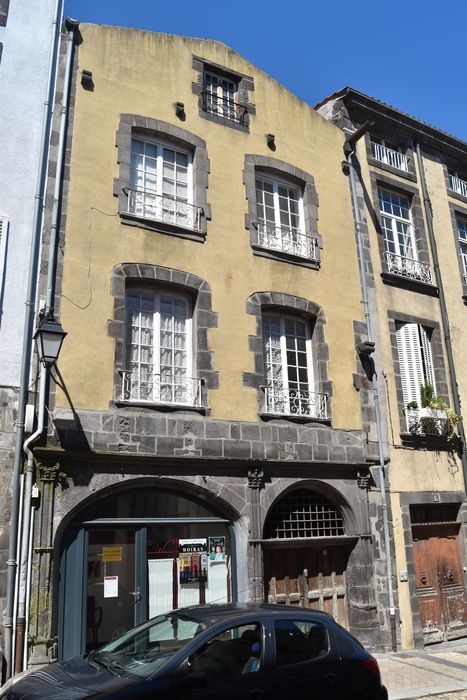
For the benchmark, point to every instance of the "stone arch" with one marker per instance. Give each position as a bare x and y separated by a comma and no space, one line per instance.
313,313
327,491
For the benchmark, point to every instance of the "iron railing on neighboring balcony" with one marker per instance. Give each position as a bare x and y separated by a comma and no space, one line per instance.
163,207
389,156
144,387
458,185
408,267
224,107
295,402
287,240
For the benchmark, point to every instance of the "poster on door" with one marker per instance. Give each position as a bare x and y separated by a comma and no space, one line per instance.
193,560
216,549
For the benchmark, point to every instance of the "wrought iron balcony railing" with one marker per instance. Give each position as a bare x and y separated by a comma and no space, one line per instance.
144,387
458,185
287,240
407,267
295,402
224,107
163,207
389,156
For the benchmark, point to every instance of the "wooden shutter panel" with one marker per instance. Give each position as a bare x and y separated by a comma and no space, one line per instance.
427,357
410,361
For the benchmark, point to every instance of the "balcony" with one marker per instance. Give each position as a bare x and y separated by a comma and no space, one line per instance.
286,240
388,156
458,185
224,107
428,421
164,208
295,402
408,268
143,387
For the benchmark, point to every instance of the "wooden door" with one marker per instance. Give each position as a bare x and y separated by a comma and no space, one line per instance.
439,581
308,577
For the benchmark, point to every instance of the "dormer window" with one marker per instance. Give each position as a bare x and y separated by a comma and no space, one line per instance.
389,153
221,97
457,182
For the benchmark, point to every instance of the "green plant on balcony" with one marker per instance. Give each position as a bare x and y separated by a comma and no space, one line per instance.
434,415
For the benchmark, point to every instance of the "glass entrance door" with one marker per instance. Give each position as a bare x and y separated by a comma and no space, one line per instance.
112,592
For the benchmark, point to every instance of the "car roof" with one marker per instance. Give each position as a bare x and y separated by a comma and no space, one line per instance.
219,612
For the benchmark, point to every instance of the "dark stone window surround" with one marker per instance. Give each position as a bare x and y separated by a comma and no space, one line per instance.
403,141
136,125
259,302
438,368
275,167
421,242
458,211
245,86
4,5
204,318
422,498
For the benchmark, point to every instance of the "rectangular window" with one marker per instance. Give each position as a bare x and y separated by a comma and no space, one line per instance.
280,218
457,183
220,97
158,350
161,184
415,363
462,239
399,242
289,378
389,154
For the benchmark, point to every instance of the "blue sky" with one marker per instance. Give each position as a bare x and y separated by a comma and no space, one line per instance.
407,53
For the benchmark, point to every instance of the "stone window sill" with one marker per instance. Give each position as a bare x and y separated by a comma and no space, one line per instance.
163,407
284,257
409,283
163,227
294,418
390,169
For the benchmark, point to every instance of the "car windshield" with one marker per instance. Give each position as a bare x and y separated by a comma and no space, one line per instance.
144,650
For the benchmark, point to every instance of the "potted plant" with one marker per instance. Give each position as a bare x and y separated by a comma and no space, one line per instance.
434,415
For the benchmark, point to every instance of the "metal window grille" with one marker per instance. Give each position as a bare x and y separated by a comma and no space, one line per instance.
303,513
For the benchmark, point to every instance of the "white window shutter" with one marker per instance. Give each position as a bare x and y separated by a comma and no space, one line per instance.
410,361
427,357
3,245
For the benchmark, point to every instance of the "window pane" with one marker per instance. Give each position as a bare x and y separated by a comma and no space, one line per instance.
298,641
231,653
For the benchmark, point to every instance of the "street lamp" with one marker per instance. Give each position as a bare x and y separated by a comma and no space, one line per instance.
49,338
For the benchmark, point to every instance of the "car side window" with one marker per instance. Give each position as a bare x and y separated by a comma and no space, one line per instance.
233,652
299,640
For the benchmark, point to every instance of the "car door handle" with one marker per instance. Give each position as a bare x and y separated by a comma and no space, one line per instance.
330,678
256,693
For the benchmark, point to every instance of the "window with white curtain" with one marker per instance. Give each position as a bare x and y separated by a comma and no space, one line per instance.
288,365
159,349
161,183
415,363
220,96
280,216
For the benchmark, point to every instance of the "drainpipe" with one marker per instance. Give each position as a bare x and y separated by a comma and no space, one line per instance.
26,528
443,309
352,161
71,26
27,340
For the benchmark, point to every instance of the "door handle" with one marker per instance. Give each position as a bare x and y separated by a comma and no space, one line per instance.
136,595
330,678
423,578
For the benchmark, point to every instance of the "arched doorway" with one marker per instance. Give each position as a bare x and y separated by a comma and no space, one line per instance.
137,553
305,553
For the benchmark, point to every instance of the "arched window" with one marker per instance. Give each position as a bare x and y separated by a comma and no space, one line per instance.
303,513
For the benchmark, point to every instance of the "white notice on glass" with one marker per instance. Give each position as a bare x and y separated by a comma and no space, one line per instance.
110,586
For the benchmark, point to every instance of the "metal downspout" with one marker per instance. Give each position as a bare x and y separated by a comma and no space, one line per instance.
27,340
443,309
24,563
351,157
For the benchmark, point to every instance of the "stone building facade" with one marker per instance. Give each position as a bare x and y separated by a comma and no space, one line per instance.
411,188
209,395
